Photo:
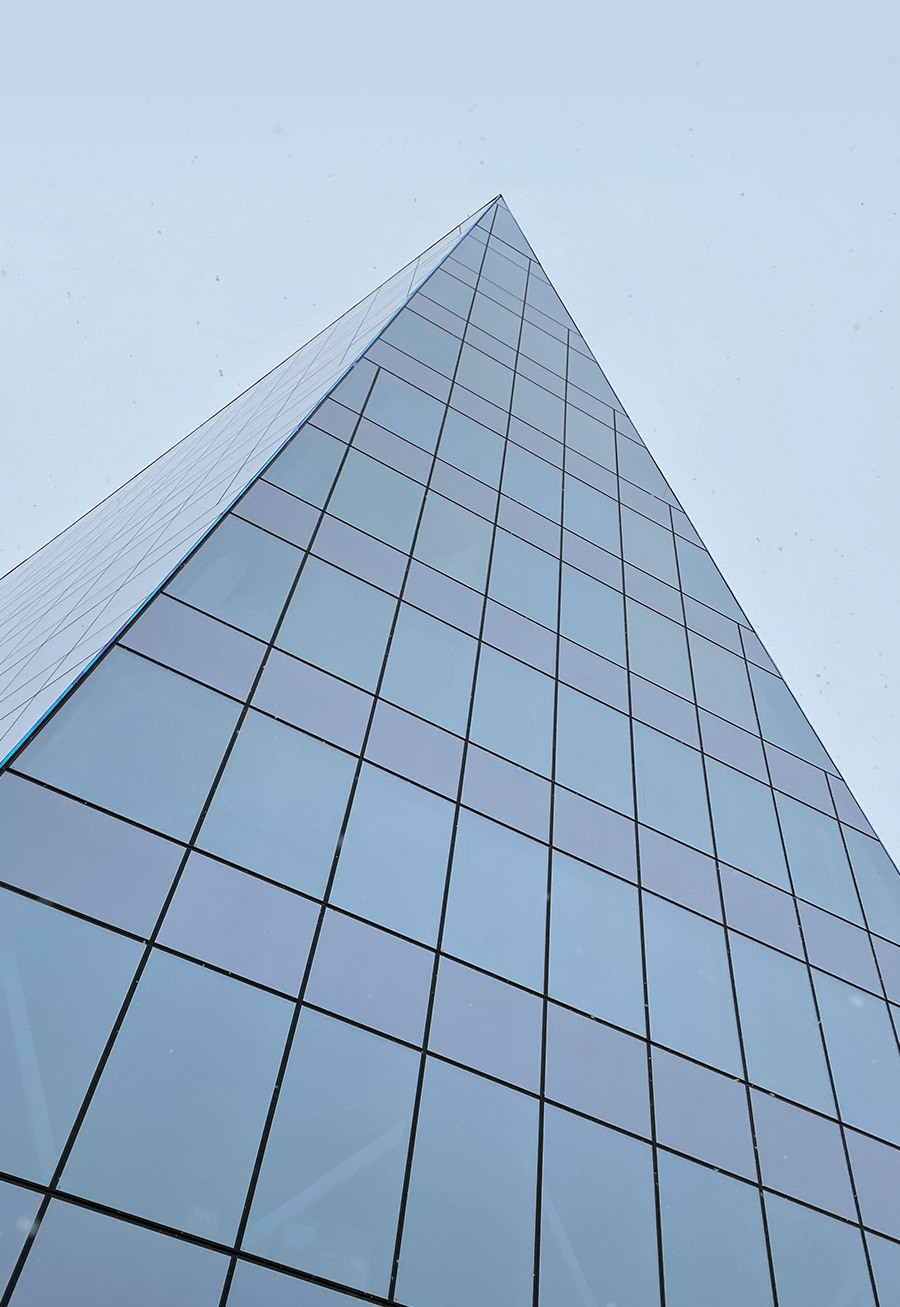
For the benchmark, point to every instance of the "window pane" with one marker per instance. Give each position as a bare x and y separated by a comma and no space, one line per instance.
782,721
513,713
780,1028
590,437
593,750
722,684
18,1208
592,514
338,623
536,405
595,945
393,861
817,1259
485,376
747,833
424,341
691,1005
377,500
592,615
657,649
240,575
469,1230
700,577
496,910
713,1246
524,578
138,739
279,805
454,541
532,482
670,787
329,1190
61,986
862,1048
878,881
816,856
403,409
308,466
471,447
172,1130
429,669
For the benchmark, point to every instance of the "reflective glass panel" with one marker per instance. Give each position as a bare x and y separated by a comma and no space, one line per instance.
429,669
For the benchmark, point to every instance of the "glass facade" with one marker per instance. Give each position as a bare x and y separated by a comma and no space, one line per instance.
434,895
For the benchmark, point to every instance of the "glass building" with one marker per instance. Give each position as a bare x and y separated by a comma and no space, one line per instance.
431,893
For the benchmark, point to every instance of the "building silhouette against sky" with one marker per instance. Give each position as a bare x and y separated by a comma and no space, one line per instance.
434,894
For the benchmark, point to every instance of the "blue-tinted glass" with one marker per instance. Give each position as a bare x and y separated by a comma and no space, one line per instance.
591,614
802,1154
241,575
524,578
597,1069
138,739
657,649
689,984
721,681
486,1024
18,1208
862,1049
595,943
393,861
591,514
189,642
549,351
745,824
173,1128
377,500
495,319
447,290
254,1284
497,905
81,1258
781,720
593,750
471,447
590,437
429,669
782,1040
308,466
817,859
599,1224
279,805
338,623
532,482
670,787
714,1251
513,713
702,1113
354,386
534,404
878,882
61,985
403,409
469,1230
817,1259
886,1266
501,270
485,376
700,577
454,541
424,341
329,1190
649,546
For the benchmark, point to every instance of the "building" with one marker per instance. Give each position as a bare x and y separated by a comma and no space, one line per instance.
375,927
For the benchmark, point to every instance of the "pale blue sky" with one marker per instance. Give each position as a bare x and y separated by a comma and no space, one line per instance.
191,192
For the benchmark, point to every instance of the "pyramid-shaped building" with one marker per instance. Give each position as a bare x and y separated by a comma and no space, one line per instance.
418,884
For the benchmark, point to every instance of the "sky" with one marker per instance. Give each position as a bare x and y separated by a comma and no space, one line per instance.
189,193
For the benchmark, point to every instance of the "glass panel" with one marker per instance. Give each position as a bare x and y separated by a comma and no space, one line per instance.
649,546
487,1024
386,986
338,623
173,1128
691,1004
429,669
702,1113
62,982
714,1251
377,500
497,905
670,787
240,923
495,319
469,1230
403,409
308,466
802,1154
817,1259
657,649
18,1208
862,1048
878,882
422,340
699,575
818,861
454,541
80,856
532,482
597,1070
129,724
536,405
471,447
886,1265
393,861
592,615
279,804
590,437
329,1189
591,514
81,1258
746,827
194,644
599,1222
524,578
239,574
593,750
780,1028
595,944
513,713
782,721
722,684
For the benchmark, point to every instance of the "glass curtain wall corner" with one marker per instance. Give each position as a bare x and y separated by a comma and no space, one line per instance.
436,895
